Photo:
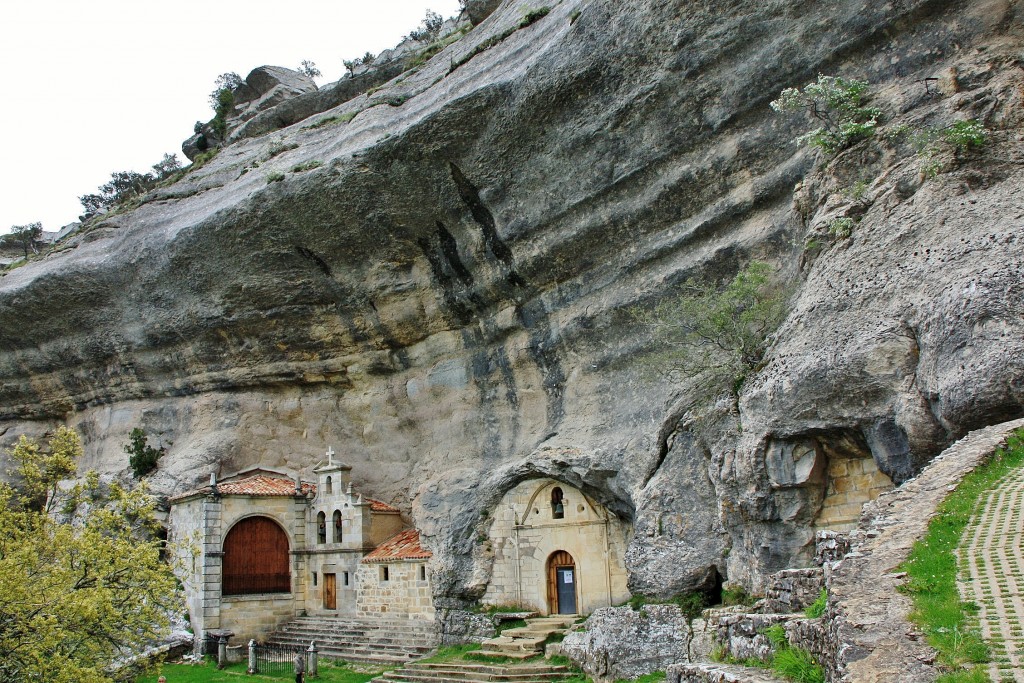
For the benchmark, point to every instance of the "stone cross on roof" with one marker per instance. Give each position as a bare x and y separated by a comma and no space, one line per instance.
330,455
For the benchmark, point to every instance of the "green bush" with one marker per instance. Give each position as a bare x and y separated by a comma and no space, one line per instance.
275,177
841,227
307,166
838,104
965,134
142,457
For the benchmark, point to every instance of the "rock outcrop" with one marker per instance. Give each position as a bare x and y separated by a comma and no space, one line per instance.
436,276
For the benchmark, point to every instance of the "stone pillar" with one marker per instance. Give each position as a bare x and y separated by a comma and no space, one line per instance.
311,659
212,559
252,657
222,652
299,560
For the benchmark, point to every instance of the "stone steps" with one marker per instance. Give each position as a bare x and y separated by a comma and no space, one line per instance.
719,673
384,642
472,672
526,641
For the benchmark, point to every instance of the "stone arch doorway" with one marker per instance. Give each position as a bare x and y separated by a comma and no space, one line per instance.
562,583
256,558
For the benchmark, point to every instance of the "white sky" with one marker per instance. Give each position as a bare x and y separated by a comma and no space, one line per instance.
96,86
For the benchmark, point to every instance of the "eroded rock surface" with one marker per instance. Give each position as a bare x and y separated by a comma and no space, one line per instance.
439,287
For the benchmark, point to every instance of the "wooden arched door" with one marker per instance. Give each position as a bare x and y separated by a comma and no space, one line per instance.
562,583
256,558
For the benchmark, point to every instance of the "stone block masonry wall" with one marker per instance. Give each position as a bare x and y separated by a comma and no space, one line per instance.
255,616
852,482
792,590
403,593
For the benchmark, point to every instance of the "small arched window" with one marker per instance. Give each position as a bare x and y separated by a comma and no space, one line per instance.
329,488
337,526
557,504
321,528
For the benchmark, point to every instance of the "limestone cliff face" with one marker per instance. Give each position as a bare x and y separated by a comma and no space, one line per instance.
442,293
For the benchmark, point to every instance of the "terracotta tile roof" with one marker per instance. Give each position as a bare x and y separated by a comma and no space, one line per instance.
405,545
258,485
378,506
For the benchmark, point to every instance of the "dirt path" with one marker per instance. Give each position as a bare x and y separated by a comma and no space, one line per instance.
991,558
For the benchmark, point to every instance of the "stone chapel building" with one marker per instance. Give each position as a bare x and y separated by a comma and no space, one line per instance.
260,548
556,551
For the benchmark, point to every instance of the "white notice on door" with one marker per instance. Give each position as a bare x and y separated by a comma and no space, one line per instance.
568,577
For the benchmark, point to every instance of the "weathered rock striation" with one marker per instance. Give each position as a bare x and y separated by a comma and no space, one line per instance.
437,280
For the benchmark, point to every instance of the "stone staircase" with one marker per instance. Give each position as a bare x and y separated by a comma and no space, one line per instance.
369,641
474,672
526,641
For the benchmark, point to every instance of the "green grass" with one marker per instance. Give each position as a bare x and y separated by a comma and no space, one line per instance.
817,608
932,570
797,665
449,653
235,673
653,677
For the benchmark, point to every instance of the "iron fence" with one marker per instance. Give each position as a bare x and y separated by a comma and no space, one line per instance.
274,659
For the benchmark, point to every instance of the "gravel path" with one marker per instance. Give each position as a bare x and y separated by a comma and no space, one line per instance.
992,560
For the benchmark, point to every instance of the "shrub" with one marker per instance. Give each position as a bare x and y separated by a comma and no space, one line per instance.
841,227
965,134
308,166
141,456
275,177
309,68
126,185
961,135
222,99
838,104
717,335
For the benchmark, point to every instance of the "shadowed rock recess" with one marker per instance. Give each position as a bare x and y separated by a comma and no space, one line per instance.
439,287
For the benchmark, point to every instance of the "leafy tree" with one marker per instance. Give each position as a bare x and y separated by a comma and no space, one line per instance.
24,236
428,28
717,335
838,105
166,167
141,456
76,597
351,64
226,81
309,68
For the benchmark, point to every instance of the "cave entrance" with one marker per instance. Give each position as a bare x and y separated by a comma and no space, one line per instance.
561,583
